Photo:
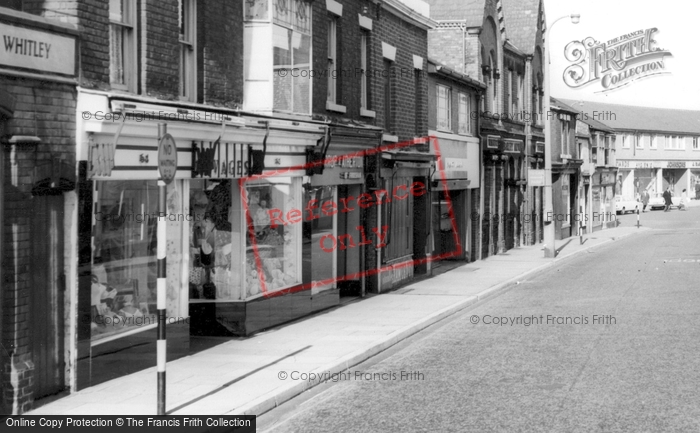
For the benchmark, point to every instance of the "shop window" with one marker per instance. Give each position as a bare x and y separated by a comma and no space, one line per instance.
188,65
291,37
228,225
320,241
124,273
444,108
122,44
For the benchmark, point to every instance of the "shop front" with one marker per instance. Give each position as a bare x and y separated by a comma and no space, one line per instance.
655,176
453,182
603,199
333,252
399,218
232,251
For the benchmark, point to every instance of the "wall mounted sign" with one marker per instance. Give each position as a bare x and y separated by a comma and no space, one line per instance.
36,49
219,160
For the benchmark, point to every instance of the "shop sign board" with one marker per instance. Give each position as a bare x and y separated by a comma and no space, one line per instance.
219,160
37,50
625,163
535,177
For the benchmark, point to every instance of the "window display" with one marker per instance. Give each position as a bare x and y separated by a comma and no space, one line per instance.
278,245
224,240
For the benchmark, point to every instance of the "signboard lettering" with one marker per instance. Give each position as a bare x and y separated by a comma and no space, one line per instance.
37,49
219,160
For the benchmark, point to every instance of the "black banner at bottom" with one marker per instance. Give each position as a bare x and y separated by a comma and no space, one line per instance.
136,423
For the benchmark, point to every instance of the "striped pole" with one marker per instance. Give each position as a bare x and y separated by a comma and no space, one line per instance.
161,295
637,216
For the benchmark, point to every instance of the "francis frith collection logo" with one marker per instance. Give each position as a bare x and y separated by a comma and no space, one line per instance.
615,63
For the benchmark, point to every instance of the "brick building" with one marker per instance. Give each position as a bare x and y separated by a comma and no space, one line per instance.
37,198
398,96
475,38
566,171
655,148
453,114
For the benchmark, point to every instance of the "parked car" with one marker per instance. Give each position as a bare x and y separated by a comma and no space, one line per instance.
624,205
658,202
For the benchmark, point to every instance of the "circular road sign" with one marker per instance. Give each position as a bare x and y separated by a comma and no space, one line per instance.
167,158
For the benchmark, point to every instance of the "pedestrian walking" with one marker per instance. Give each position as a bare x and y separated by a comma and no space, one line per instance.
684,201
645,200
667,199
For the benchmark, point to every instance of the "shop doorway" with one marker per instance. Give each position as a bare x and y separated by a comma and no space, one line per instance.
444,234
349,260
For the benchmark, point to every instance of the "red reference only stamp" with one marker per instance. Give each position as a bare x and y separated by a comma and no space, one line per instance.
365,233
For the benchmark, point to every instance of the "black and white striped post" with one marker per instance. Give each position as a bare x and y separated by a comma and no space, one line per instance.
167,166
637,216
161,344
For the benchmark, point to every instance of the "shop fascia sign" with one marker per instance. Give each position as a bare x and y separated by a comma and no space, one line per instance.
657,164
37,50
616,63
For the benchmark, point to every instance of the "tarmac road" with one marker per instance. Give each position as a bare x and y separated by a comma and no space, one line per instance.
607,341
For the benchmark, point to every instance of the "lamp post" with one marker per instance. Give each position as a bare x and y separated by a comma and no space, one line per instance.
549,225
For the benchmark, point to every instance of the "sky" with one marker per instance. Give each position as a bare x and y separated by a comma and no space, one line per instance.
604,20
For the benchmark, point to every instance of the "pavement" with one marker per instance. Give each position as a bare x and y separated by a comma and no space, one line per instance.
256,374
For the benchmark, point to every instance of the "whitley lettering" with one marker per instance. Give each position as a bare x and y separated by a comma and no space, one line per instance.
26,47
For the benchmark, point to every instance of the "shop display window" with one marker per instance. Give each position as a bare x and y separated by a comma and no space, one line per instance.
124,263
274,233
223,238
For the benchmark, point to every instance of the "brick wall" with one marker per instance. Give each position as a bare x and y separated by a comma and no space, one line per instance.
219,49
45,110
220,52
446,46
409,40
160,61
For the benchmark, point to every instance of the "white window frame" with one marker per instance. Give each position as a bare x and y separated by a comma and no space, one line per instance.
127,28
332,59
654,141
625,141
188,50
463,126
696,144
444,104
289,26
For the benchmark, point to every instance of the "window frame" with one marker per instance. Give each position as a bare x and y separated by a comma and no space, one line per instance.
463,123
128,28
332,40
291,26
442,126
188,50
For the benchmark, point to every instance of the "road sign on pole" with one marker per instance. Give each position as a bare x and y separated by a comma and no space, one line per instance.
167,167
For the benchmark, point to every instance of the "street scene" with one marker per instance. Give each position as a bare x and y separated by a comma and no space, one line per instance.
565,350
348,215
